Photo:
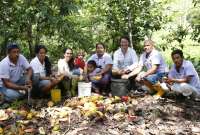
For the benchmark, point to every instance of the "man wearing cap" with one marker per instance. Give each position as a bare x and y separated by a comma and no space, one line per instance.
13,84
182,77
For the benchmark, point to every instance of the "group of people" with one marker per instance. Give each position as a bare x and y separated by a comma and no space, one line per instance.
17,75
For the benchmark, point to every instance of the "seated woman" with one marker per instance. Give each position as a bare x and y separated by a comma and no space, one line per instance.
43,82
104,62
66,67
92,76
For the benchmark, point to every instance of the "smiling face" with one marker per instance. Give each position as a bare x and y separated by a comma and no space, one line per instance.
90,68
148,46
81,55
177,59
68,54
14,54
41,55
100,50
124,43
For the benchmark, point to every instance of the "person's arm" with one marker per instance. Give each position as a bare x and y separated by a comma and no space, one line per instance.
108,65
29,76
11,85
133,73
189,73
115,61
182,80
107,68
62,69
29,70
151,71
134,59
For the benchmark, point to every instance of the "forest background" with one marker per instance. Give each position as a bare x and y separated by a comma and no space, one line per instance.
80,24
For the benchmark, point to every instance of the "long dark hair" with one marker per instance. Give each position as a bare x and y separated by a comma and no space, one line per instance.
71,61
46,60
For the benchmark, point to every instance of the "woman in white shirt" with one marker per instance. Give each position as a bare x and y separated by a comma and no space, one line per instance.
42,71
66,65
67,68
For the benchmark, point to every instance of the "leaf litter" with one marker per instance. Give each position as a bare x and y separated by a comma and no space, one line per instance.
99,115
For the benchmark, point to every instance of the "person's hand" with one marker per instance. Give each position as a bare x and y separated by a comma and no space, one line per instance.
52,78
167,80
138,78
120,72
125,76
55,81
28,82
127,71
60,77
96,77
26,87
81,78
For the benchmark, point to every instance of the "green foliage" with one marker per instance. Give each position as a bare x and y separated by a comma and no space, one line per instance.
80,24
140,18
194,19
195,62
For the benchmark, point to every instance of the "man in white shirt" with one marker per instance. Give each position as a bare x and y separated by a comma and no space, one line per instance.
155,66
182,77
125,59
12,69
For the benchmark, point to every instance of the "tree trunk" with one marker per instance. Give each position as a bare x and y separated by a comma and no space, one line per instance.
30,40
3,50
130,29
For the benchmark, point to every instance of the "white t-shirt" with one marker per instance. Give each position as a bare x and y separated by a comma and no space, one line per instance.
102,61
63,68
38,67
127,61
154,58
13,72
187,69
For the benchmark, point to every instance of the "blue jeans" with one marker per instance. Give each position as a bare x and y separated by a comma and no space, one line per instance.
154,78
76,71
10,94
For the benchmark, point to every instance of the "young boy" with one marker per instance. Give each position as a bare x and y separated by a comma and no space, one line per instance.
92,76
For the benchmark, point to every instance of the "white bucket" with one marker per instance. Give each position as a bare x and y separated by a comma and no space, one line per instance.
84,89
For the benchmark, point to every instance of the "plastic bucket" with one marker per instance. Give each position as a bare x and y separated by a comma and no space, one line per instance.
56,95
119,87
84,89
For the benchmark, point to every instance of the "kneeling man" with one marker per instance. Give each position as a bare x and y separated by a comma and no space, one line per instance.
182,77
155,67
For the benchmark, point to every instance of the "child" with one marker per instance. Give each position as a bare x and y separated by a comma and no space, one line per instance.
92,71
79,62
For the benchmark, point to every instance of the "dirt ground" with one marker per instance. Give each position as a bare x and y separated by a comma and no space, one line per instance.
98,115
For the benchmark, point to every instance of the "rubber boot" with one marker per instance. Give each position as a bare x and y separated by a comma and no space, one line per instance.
74,87
160,91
